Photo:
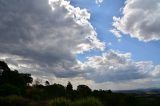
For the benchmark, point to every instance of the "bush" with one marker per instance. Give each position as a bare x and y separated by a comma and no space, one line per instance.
13,101
80,102
83,91
87,102
60,102
8,89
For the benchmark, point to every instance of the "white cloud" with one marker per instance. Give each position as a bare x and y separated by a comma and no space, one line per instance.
156,71
116,33
99,2
139,19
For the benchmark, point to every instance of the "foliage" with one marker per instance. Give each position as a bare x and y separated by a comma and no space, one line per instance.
55,90
83,91
13,101
69,87
13,77
8,89
47,83
60,102
90,101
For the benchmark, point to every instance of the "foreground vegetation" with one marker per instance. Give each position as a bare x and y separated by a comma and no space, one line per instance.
15,90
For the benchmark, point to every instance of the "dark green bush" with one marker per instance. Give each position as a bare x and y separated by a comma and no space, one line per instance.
90,101
60,102
13,101
8,89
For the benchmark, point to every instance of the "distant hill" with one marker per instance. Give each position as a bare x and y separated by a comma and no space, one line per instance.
148,91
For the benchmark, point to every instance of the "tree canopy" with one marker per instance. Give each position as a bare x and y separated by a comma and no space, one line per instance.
13,77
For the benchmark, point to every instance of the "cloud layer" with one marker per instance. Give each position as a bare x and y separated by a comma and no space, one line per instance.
44,37
139,19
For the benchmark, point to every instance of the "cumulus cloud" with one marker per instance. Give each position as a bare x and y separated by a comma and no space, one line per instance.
114,66
139,19
42,36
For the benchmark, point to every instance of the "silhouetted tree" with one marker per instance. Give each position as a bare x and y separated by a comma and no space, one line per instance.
83,90
12,82
69,87
37,82
47,83
13,77
26,78
69,90
55,90
4,66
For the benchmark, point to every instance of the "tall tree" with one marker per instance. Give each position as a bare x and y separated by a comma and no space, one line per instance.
69,87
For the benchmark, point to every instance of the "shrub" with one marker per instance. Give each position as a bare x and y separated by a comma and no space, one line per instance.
90,101
8,89
60,102
13,101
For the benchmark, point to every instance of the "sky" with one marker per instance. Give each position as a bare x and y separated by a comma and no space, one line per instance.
105,44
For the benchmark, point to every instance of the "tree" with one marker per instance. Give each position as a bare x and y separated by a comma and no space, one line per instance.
69,87
55,90
12,82
37,82
4,66
27,79
47,83
83,90
69,90
13,77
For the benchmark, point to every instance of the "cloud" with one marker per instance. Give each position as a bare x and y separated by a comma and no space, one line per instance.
116,33
114,66
156,71
139,19
99,2
41,36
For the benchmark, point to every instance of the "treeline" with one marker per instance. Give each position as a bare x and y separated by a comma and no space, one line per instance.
16,89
